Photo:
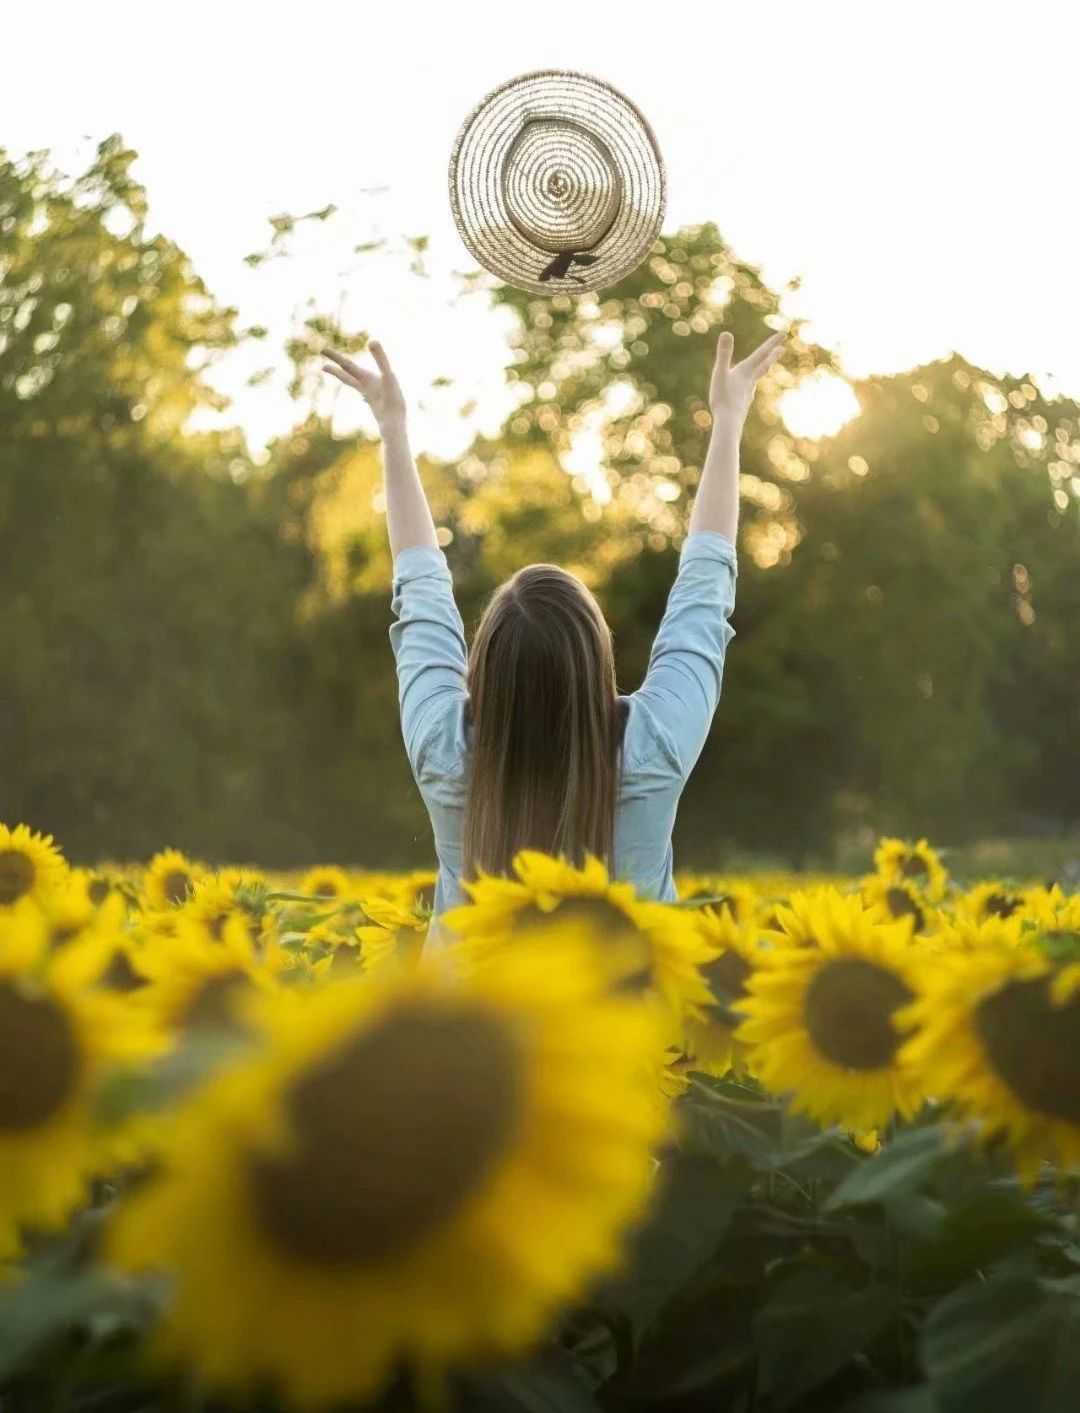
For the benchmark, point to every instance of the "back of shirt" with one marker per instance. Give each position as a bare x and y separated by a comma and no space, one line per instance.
667,722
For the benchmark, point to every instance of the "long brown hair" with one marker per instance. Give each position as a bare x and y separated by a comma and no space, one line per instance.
545,725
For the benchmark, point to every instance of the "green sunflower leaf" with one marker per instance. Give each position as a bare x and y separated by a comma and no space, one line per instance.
897,1168
1007,1343
813,1326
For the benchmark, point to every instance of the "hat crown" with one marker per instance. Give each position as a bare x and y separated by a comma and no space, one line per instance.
561,184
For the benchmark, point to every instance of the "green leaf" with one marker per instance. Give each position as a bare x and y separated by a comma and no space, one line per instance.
897,1168
812,1327
917,1399
979,1230
1005,1344
44,1307
551,1383
697,1199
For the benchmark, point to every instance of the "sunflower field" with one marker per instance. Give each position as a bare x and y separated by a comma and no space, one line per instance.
791,1143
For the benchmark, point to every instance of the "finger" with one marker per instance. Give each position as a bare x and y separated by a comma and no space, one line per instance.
346,363
764,357
342,377
724,344
379,354
770,346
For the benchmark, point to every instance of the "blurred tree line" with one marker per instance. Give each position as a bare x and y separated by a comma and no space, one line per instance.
195,645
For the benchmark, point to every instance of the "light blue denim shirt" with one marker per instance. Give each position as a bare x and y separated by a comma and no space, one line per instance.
667,722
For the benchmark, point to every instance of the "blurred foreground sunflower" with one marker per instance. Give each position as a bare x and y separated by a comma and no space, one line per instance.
198,984
422,1170
644,945
57,1041
998,1034
819,1014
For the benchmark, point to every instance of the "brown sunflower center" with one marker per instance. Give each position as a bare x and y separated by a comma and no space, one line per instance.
607,922
848,1012
98,891
1001,905
726,978
211,1007
902,904
596,913
1033,1046
120,975
393,1132
16,875
914,866
176,885
39,1059
61,933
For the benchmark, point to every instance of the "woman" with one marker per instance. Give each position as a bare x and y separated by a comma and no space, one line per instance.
524,741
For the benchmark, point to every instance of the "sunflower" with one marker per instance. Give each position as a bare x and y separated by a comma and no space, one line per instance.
820,1014
1054,924
196,984
220,896
648,945
95,887
739,899
995,899
31,866
362,950
326,881
901,861
415,1171
965,933
170,879
57,1042
897,898
709,1043
998,1033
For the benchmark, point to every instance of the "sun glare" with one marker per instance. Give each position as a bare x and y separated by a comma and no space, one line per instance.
819,406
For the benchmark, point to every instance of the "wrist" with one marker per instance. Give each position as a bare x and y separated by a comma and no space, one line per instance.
394,428
726,422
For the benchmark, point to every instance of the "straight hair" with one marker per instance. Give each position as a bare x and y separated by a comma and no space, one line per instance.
546,730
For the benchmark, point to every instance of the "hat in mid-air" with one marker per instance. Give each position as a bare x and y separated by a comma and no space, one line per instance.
557,183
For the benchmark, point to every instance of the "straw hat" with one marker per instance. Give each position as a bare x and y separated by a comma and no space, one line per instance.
557,183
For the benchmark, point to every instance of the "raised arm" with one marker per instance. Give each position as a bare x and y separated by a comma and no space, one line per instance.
682,685
427,638
408,516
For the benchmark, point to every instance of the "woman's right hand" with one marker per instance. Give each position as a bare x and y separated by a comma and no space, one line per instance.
732,389
382,394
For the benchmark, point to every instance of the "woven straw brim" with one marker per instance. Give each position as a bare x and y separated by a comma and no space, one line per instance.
554,164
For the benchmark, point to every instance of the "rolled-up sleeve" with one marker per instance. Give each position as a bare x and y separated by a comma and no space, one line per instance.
686,666
428,640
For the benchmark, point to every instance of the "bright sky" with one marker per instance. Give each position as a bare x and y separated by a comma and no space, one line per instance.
913,163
